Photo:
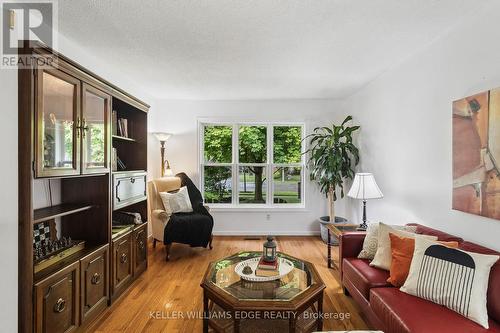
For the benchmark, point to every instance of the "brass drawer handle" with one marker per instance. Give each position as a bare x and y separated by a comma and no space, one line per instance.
96,278
141,244
123,258
60,305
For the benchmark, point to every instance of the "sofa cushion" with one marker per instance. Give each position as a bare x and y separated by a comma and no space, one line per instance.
494,281
442,236
401,312
363,276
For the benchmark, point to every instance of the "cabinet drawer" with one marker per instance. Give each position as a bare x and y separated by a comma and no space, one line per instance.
94,279
57,301
122,261
140,249
128,188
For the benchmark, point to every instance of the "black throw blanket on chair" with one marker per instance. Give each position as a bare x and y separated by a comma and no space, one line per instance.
194,229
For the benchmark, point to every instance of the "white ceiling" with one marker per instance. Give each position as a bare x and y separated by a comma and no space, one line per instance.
257,49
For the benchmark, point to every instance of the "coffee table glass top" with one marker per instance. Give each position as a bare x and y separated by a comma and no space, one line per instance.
223,276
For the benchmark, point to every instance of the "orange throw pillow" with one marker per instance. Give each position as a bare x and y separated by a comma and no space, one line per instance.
402,253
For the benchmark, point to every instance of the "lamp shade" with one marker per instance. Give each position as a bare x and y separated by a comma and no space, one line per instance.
365,187
162,136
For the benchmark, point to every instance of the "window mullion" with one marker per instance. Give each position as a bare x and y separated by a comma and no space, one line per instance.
201,158
270,147
270,184
235,168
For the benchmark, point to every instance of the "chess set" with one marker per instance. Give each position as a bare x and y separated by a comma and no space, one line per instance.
47,250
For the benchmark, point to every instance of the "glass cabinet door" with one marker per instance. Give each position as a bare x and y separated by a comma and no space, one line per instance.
95,130
57,128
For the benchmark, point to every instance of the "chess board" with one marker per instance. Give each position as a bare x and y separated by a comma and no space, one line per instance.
41,232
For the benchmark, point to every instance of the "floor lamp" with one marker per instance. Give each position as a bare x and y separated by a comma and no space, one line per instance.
165,165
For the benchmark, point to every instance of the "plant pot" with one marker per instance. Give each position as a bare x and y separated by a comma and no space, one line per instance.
323,222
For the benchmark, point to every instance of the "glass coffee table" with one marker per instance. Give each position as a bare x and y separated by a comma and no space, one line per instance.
294,303
336,230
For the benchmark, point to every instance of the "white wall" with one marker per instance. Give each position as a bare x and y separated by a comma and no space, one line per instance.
8,199
180,118
406,127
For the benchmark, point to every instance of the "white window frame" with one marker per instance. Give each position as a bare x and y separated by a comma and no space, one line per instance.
234,164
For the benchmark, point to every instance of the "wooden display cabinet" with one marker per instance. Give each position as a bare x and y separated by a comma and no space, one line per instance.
65,132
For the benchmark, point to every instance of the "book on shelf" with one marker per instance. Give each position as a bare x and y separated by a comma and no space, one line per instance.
267,265
120,164
125,127
114,121
114,160
122,127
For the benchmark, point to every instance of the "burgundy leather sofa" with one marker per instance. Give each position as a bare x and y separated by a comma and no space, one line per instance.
388,309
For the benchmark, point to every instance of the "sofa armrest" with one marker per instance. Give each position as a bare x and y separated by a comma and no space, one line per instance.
350,244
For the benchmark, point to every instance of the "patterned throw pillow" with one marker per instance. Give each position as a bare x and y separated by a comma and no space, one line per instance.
451,277
176,202
371,240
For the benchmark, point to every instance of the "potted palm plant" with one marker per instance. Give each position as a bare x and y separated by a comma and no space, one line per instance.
332,157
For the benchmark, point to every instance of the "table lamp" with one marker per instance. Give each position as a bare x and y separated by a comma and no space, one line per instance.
165,165
364,187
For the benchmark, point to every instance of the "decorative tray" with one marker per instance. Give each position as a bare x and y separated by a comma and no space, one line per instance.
285,267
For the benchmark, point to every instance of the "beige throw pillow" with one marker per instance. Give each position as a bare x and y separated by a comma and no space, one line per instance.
383,257
371,239
176,202
451,277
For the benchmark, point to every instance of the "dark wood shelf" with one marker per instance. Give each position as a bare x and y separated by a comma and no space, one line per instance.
48,213
123,138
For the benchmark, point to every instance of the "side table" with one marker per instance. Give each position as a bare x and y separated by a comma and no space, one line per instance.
338,229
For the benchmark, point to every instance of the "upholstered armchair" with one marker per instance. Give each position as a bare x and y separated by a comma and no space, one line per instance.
160,219
158,216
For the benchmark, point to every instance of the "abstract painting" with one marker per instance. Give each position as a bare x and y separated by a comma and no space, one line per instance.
476,154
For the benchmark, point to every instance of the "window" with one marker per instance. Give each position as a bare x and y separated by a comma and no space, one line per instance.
252,165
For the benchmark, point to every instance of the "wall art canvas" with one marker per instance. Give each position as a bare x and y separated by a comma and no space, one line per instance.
476,154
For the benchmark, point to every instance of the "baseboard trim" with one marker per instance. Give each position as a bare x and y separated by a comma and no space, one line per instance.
265,233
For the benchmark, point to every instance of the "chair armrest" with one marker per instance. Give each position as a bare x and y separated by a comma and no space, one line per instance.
350,244
159,219
160,214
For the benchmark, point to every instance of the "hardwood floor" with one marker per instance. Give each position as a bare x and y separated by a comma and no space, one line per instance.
174,287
